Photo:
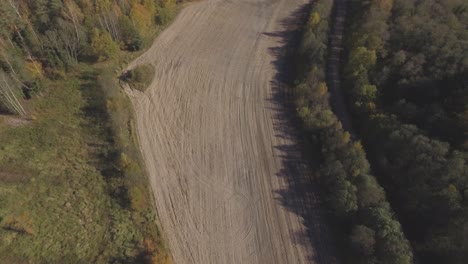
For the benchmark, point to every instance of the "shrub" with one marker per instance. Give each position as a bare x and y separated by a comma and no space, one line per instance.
140,77
102,45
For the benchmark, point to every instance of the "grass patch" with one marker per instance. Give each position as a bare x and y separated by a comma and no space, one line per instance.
65,200
72,185
82,196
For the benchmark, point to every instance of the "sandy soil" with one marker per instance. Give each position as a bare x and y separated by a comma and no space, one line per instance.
228,182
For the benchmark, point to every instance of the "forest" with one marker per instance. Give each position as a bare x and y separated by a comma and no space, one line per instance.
406,83
366,230
46,38
405,79
72,185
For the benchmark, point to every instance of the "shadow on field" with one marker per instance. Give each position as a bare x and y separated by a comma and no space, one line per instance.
301,195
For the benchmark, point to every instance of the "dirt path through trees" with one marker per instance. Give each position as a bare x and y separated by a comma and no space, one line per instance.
337,99
228,180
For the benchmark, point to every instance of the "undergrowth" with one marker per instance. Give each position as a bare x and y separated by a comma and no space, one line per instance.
73,188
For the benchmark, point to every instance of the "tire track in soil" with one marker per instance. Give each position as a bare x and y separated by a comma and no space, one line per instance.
215,146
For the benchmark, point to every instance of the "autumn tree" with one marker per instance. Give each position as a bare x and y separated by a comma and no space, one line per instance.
102,44
362,238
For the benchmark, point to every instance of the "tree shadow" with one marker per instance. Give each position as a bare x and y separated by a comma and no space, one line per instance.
301,196
97,121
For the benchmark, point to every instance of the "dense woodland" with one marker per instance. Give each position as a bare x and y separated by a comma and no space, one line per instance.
406,80
366,228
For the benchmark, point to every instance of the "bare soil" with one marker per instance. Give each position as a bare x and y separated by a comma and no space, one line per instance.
229,183
14,121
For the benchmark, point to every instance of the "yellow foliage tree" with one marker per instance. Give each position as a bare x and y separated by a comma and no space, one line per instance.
322,89
314,19
35,69
141,17
103,45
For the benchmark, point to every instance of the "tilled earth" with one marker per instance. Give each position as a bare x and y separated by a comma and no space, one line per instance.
227,177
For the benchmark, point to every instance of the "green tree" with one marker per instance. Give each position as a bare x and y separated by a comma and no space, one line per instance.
130,37
141,17
362,239
344,200
369,192
102,44
166,11
360,60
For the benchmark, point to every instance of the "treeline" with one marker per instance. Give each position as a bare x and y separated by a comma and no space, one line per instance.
45,38
407,85
357,204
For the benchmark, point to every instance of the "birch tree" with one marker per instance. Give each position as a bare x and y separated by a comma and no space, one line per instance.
10,94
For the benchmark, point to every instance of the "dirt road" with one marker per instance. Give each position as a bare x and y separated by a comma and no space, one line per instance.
335,46
228,182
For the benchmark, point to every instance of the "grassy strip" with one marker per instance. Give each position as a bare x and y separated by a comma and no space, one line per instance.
357,204
73,188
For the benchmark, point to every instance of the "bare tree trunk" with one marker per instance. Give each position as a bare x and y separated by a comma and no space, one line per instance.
70,14
15,8
8,97
34,33
14,74
108,22
19,34
13,5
